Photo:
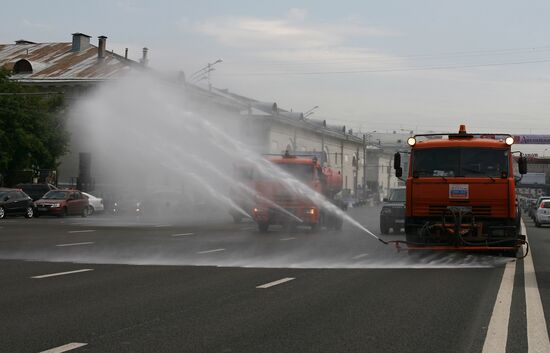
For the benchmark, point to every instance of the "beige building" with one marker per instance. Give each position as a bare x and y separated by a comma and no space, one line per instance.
74,68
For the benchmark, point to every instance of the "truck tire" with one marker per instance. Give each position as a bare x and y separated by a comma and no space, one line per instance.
237,219
263,227
338,222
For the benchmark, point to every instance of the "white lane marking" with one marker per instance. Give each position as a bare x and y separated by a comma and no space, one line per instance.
497,332
76,244
210,251
162,225
286,239
182,234
359,256
65,348
537,332
82,231
248,228
274,283
63,273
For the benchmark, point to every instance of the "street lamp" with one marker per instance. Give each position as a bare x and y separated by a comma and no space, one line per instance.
310,111
205,73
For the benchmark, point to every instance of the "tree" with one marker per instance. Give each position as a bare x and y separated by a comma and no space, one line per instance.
32,129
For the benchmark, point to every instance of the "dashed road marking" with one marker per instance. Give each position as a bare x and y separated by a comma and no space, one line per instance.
286,239
65,348
162,225
210,251
76,244
497,332
182,234
82,231
359,256
537,332
63,273
274,283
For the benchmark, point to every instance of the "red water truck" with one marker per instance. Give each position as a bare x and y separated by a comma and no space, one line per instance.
280,203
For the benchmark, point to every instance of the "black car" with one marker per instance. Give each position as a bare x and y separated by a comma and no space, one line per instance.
15,202
36,191
393,211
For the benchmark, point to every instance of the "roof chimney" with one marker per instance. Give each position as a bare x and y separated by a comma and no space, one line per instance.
81,41
101,47
144,59
23,41
125,53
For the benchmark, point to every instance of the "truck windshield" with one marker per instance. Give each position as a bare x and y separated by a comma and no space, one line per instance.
302,172
460,162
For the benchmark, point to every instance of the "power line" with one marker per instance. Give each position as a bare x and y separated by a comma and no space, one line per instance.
373,56
420,68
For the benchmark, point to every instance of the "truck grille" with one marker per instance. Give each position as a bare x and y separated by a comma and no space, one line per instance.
437,210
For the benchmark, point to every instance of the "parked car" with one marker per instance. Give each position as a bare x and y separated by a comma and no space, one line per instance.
392,214
14,202
36,191
62,203
543,213
96,203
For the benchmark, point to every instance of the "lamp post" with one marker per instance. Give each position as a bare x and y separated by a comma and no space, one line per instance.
204,73
310,111
366,141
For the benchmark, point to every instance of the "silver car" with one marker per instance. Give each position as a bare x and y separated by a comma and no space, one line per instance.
543,213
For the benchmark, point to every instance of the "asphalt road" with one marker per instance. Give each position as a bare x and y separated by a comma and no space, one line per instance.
146,286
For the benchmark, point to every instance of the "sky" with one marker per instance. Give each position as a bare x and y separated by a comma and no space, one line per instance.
371,65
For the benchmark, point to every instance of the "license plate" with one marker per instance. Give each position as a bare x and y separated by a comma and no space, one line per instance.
399,221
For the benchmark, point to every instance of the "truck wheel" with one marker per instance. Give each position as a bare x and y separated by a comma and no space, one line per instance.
384,228
2,212
338,222
263,227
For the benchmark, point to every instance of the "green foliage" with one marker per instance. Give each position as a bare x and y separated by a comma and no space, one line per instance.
32,128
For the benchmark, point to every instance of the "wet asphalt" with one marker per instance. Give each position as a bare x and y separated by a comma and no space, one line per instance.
160,286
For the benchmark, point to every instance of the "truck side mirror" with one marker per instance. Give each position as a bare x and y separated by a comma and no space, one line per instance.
397,164
522,165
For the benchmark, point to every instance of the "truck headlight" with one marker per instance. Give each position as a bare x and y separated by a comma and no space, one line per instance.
310,211
509,141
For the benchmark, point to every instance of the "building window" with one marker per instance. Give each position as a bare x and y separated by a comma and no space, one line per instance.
22,66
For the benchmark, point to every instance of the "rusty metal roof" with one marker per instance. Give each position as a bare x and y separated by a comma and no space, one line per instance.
56,62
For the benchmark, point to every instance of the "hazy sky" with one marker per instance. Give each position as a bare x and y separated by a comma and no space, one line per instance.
372,65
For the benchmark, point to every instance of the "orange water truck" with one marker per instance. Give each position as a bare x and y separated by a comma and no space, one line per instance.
461,192
281,204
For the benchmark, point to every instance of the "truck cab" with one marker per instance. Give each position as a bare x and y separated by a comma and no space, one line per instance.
279,199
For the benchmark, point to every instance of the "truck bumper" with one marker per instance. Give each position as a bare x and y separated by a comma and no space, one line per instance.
306,215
